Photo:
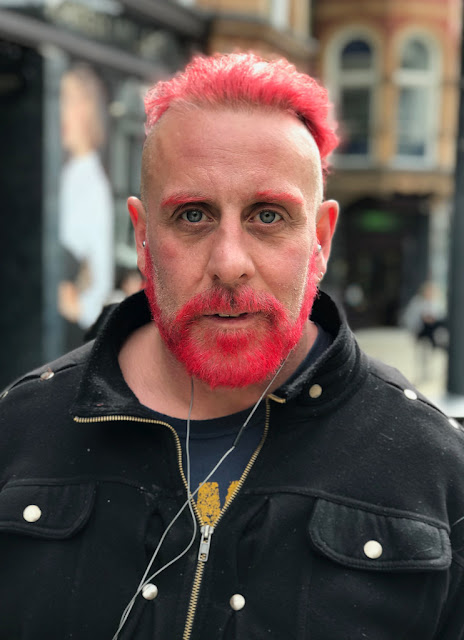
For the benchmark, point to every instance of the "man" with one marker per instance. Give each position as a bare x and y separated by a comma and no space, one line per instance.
327,496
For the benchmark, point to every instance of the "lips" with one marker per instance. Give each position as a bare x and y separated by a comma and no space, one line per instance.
229,315
225,313
222,315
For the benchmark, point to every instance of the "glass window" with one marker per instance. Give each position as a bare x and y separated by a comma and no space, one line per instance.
355,107
417,114
412,121
355,78
415,56
357,54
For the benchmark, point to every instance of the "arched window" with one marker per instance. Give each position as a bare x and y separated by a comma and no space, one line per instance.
415,56
355,77
417,116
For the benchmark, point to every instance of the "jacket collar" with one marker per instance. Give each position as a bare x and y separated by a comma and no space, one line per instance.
103,391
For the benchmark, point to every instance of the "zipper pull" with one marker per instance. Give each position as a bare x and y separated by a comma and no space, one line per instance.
205,542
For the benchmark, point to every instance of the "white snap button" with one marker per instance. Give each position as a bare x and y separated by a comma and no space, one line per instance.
409,393
237,602
46,375
315,391
32,513
373,549
150,591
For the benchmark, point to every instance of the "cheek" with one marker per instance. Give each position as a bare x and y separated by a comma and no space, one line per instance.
289,276
174,271
167,254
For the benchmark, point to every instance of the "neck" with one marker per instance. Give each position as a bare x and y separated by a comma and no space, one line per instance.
161,383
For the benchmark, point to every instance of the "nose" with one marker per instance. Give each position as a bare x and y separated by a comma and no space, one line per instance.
230,261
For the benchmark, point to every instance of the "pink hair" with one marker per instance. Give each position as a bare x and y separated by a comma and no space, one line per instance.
244,79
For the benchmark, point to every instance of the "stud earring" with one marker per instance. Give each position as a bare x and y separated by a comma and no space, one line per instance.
319,248
144,244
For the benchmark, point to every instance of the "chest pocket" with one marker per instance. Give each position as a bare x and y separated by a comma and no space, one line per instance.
53,509
42,528
382,572
363,539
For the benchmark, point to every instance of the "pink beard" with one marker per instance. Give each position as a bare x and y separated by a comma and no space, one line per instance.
233,357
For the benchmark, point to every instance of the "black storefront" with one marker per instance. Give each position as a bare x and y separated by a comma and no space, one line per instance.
125,45
380,257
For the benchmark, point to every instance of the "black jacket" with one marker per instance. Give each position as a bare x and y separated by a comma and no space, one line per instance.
349,458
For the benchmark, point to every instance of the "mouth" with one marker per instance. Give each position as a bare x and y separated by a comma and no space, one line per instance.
230,315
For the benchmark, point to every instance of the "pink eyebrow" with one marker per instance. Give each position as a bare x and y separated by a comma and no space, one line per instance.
179,199
273,196
265,196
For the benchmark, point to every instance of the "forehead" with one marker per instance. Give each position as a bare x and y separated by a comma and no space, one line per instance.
227,145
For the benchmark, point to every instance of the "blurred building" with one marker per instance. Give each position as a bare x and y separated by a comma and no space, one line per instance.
268,27
122,46
392,68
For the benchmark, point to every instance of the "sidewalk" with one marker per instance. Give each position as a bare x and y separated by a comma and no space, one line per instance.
424,367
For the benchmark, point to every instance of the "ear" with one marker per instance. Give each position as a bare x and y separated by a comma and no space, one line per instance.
326,221
139,222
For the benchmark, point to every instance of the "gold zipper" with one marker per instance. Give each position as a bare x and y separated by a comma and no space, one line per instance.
278,399
251,462
201,563
202,557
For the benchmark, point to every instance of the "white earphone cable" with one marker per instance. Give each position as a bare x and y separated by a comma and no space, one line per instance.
144,581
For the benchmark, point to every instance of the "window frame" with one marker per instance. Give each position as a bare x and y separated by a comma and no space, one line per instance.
415,78
338,79
279,14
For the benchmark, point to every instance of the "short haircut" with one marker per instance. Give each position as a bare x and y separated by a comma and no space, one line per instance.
241,80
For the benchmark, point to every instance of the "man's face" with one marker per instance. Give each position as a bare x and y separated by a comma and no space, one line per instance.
231,259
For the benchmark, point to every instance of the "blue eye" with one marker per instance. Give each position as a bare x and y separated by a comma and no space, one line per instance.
192,215
268,217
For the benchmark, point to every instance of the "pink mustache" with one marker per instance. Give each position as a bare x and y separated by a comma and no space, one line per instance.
225,301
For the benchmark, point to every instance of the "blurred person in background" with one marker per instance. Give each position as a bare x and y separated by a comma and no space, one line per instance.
85,205
223,462
425,317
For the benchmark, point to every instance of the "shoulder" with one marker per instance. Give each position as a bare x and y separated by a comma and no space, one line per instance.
388,379
401,408
64,371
